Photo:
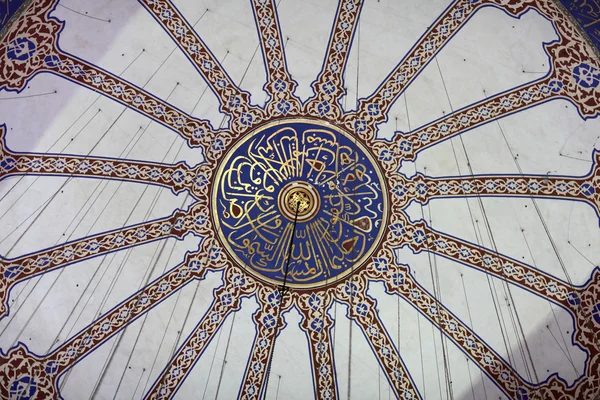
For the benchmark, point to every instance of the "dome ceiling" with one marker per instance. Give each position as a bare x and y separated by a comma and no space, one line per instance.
280,199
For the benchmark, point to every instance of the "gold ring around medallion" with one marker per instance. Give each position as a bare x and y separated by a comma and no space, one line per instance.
300,195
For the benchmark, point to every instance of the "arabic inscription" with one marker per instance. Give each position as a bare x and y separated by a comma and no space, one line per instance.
306,171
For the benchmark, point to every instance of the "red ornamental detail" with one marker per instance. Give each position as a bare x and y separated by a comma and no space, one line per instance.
574,75
424,188
30,40
373,110
177,177
226,300
234,101
317,324
16,270
22,374
362,310
268,320
31,47
329,86
279,85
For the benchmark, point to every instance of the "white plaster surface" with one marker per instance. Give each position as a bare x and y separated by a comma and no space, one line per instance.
494,52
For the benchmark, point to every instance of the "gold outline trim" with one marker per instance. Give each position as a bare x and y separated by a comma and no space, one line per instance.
331,127
302,187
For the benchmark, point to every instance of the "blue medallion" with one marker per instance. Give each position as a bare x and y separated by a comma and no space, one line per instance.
304,170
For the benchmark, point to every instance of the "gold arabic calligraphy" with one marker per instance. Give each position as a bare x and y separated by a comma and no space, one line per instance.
325,169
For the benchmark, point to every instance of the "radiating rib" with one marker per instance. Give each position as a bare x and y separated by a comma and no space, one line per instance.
569,78
374,109
316,324
280,85
194,266
46,371
362,309
30,38
329,86
234,101
195,131
397,280
177,177
226,299
406,146
490,262
31,47
587,318
268,322
585,188
15,270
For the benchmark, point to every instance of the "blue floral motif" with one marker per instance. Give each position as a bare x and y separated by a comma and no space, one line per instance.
422,188
51,367
226,299
373,109
23,389
251,391
596,313
177,176
329,87
201,180
239,280
323,108
555,86
587,189
269,321
316,325
405,146
419,236
8,163
386,155
586,76
175,372
573,299
399,190
350,289
214,254
381,264
362,309
314,301
20,49
522,394
12,271
274,298
398,279
257,367
234,101
284,107
360,125
52,61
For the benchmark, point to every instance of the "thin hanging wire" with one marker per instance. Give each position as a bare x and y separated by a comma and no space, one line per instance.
488,228
282,291
355,161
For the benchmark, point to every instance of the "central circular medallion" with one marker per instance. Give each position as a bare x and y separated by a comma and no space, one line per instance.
300,196
304,170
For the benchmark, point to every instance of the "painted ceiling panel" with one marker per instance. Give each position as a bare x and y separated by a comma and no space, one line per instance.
265,199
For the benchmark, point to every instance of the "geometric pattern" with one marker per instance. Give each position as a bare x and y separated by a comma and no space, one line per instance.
31,47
